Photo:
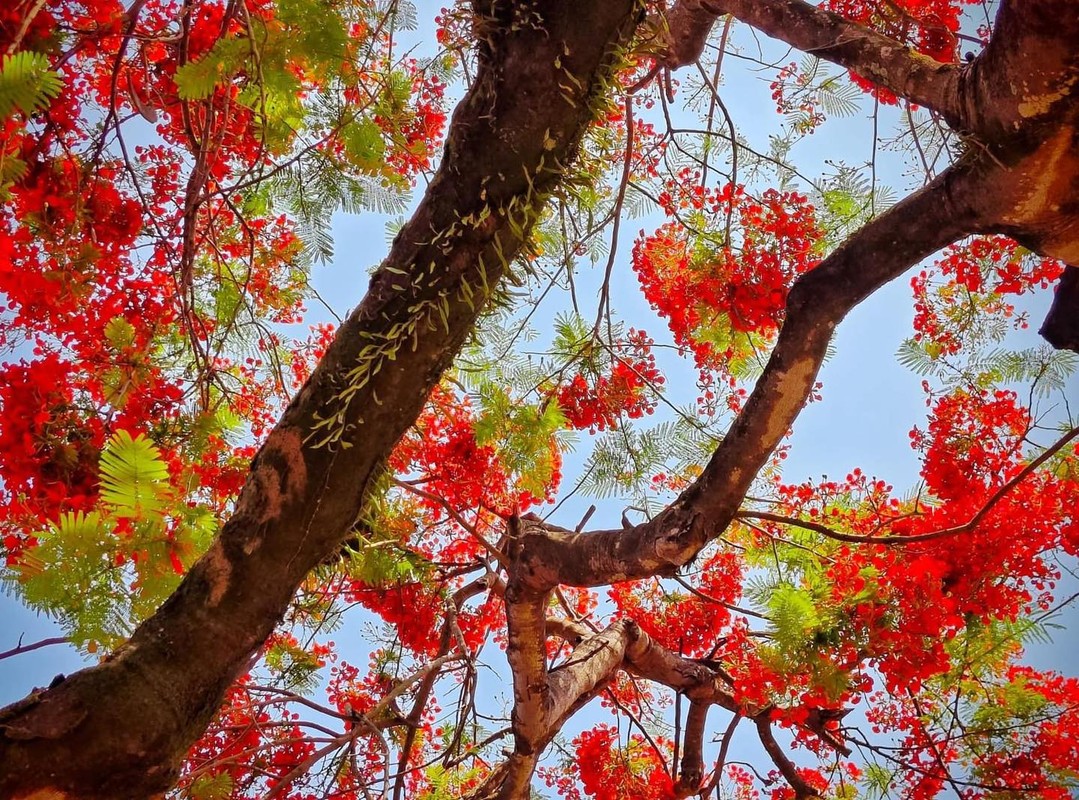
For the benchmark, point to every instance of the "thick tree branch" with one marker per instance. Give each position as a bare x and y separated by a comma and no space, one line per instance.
945,210
590,666
542,702
683,32
568,687
821,33
509,142
1023,81
526,652
691,770
700,683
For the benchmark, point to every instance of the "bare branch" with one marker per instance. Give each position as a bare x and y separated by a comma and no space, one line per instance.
802,790
21,648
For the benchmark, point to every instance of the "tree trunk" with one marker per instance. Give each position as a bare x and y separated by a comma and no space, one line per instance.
121,729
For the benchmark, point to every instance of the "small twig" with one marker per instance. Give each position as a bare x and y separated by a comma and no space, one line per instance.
620,199
493,551
21,648
689,587
721,759
966,527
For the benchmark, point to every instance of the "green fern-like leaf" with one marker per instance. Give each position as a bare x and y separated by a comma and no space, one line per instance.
840,98
913,356
793,615
26,83
71,577
197,80
364,145
12,170
210,787
134,478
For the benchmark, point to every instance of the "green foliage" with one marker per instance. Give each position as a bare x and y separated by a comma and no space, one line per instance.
377,555
1043,368
277,101
839,97
71,575
377,562
119,333
447,782
364,145
314,30
314,187
210,787
12,170
26,83
197,79
295,668
624,460
793,614
878,781
134,478
847,199
100,573
521,434
979,650
749,348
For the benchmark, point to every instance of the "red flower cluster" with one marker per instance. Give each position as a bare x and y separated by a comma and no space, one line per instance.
738,287
794,95
441,450
609,771
250,746
414,130
683,622
596,402
978,275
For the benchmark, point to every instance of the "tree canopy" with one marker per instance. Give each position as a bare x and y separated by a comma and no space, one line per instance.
205,476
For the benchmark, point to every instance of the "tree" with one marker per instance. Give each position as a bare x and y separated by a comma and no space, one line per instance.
120,432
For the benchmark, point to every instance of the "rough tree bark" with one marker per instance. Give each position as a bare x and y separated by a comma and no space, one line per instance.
120,729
